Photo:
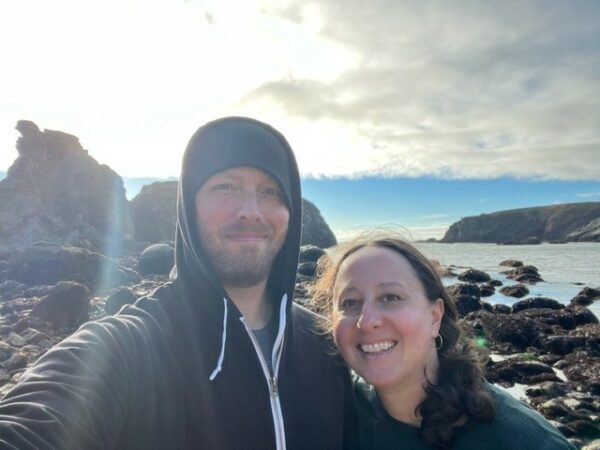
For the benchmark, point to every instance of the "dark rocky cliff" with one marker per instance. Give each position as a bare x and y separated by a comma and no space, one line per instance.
567,222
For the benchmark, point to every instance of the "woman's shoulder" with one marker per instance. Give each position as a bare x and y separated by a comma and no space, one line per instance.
516,426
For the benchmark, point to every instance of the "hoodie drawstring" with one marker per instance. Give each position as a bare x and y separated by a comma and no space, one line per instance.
217,369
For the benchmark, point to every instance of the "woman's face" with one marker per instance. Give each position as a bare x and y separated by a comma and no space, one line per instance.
384,325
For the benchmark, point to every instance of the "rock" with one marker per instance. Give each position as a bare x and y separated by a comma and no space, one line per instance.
548,223
67,305
515,371
499,308
525,274
154,212
462,289
315,230
466,297
15,362
562,344
536,302
11,289
594,445
44,263
156,259
495,283
466,304
547,389
509,328
531,240
308,268
511,263
517,290
55,191
311,253
487,290
118,299
553,408
585,297
15,340
474,276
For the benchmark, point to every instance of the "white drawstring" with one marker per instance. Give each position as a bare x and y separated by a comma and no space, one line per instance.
214,373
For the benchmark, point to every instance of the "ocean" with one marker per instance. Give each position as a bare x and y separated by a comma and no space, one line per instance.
565,268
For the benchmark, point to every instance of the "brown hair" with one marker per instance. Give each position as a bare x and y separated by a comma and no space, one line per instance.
459,392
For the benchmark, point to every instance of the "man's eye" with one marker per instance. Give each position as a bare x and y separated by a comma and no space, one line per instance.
225,187
272,192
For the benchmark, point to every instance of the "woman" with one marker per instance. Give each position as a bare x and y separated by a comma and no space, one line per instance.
396,327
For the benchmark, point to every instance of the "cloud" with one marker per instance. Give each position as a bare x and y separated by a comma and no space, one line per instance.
589,194
462,90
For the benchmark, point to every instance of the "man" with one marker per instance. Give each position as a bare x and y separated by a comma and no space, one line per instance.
220,358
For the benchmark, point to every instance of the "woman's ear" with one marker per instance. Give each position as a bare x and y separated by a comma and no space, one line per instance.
437,313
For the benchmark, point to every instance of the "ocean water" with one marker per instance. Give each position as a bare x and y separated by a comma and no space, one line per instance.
565,268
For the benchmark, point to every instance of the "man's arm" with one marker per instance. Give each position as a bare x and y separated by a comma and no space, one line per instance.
77,395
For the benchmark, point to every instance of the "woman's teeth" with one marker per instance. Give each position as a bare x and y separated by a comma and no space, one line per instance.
378,347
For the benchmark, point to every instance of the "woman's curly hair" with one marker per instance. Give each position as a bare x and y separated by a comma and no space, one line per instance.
459,393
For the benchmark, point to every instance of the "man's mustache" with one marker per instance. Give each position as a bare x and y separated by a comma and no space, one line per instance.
255,228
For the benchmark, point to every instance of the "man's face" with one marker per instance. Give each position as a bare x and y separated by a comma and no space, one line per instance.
242,221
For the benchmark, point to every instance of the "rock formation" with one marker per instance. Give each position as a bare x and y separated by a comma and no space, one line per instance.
55,191
571,222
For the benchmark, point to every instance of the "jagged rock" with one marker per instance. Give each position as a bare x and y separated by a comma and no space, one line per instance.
156,259
315,230
547,389
563,344
553,408
511,263
43,263
55,191
11,289
594,445
118,299
517,371
531,240
499,308
517,290
536,302
67,305
586,233
154,212
474,276
310,253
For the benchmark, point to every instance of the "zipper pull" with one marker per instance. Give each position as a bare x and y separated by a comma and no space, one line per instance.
274,389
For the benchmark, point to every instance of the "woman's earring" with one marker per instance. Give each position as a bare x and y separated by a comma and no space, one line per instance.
439,344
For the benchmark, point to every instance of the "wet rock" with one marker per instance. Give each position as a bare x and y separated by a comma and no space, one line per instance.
487,290
562,344
16,361
499,308
584,428
154,212
118,299
466,304
515,371
67,305
585,297
516,330
156,259
516,290
310,253
536,302
11,289
511,263
308,268
547,389
594,445
15,340
474,276
553,408
495,283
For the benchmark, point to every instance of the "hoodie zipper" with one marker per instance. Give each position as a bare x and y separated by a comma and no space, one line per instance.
273,388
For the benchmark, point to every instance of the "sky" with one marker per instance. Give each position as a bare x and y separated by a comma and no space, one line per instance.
435,109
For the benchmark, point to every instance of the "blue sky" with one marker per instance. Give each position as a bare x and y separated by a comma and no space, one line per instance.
426,206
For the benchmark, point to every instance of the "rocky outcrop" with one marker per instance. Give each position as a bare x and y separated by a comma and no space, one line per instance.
154,212
571,222
315,230
55,191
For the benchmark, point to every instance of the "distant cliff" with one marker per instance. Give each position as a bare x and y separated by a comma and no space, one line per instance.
567,222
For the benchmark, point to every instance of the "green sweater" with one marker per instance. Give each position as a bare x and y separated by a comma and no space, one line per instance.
515,427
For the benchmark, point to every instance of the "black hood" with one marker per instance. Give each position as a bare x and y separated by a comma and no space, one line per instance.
216,146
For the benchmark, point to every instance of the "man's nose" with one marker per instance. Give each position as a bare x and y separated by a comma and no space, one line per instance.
249,209
369,317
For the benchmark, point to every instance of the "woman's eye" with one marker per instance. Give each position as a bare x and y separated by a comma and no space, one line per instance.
390,298
349,304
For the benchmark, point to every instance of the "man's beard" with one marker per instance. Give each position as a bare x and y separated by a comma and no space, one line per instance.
246,268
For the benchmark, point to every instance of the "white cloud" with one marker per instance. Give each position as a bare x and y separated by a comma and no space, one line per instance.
390,88
589,194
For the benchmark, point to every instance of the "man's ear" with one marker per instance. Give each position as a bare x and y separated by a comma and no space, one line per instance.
437,313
